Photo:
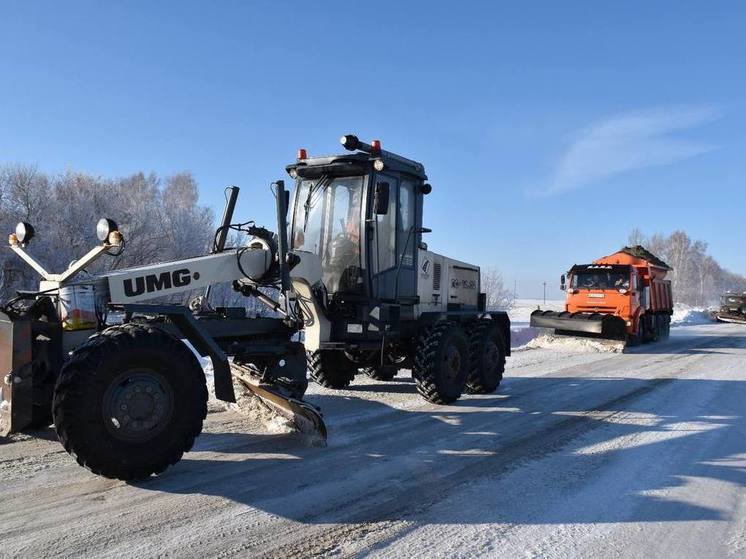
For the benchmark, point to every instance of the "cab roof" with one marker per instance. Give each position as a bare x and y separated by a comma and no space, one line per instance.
359,162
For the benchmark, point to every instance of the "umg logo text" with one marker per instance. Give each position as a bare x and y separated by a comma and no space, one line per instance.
158,282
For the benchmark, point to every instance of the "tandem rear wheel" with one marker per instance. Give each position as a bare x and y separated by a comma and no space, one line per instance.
442,363
487,352
330,368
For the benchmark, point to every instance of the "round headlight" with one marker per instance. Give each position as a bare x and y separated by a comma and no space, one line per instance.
378,165
104,227
24,232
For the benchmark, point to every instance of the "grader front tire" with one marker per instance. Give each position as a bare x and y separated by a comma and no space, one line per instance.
130,402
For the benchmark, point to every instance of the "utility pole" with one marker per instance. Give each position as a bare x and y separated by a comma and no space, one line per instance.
545,294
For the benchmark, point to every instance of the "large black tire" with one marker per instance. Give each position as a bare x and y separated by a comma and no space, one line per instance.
330,368
487,353
380,372
441,363
666,326
129,402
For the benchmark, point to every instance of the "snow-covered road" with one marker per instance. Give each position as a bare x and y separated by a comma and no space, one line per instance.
582,453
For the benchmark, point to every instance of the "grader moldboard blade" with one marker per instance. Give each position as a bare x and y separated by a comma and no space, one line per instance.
306,418
736,319
595,325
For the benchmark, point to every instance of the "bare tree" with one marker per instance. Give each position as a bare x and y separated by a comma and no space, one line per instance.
697,278
161,220
498,296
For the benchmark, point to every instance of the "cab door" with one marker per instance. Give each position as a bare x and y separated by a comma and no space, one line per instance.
392,242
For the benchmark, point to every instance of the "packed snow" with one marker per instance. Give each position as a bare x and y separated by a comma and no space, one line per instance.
684,315
581,452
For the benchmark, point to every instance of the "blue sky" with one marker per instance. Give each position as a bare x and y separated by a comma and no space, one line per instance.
548,129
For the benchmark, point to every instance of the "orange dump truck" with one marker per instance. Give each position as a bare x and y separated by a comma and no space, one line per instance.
623,296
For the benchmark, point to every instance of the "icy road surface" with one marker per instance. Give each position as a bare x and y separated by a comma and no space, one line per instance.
583,453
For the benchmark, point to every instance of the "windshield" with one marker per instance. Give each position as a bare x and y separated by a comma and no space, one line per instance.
600,280
732,300
327,223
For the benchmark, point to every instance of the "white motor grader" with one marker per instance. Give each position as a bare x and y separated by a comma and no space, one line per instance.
95,356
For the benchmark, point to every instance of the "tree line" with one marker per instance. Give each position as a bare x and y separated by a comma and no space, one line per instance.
697,278
162,220
160,217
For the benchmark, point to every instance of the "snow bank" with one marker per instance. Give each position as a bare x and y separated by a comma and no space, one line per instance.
571,344
684,315
521,310
520,316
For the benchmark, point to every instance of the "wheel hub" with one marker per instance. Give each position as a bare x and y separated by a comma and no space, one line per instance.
138,405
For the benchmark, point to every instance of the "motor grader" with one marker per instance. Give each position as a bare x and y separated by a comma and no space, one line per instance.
732,308
96,356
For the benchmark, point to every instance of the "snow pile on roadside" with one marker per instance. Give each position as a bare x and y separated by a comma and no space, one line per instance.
520,316
519,337
521,310
684,315
570,344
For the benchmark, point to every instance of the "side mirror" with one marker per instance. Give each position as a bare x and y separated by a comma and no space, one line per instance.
562,282
381,199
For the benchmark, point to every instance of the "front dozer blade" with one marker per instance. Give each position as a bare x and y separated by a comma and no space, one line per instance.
595,325
30,359
306,417
16,390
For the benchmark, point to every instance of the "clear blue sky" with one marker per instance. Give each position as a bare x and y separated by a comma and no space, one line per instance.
548,129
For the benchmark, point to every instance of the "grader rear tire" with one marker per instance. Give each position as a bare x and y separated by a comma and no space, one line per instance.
330,368
130,402
380,372
487,357
441,363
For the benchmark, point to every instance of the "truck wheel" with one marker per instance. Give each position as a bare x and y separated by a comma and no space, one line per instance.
441,363
636,338
130,402
655,328
330,368
380,372
487,357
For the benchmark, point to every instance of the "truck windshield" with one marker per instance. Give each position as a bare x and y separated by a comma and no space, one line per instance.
727,300
326,222
600,279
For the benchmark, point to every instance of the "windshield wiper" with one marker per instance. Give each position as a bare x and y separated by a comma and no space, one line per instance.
322,182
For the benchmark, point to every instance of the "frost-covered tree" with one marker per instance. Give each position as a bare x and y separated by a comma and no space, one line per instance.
498,296
697,278
160,218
